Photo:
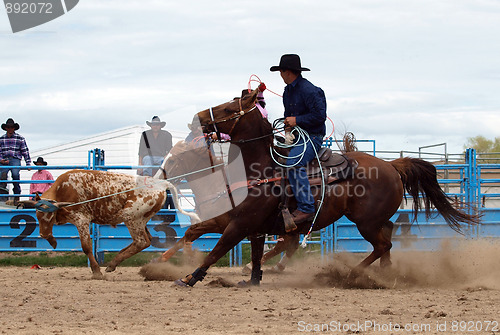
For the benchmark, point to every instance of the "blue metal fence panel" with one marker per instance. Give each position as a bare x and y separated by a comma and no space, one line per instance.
19,228
420,235
166,228
490,223
19,232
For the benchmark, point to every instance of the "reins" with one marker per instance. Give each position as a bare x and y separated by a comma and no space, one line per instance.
236,115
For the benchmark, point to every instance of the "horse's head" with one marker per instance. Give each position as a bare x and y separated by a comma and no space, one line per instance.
223,118
185,158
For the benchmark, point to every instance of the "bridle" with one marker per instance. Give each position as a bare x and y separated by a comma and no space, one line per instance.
235,116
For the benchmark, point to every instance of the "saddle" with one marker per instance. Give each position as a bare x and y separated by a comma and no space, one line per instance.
334,166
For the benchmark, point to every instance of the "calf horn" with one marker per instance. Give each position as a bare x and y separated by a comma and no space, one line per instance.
27,203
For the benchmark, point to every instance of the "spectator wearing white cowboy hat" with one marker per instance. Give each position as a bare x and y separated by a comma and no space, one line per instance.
13,148
42,174
154,145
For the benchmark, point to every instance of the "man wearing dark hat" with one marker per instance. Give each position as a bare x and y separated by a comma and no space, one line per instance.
305,106
12,149
42,174
154,145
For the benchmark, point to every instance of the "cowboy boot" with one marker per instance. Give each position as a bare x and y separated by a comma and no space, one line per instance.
299,216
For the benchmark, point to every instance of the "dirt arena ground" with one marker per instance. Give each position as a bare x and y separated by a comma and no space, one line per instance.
450,292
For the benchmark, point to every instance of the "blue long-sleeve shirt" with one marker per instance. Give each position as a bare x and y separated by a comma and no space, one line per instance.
307,103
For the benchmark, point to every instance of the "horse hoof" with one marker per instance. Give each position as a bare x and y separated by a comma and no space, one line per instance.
180,283
97,276
110,268
249,283
278,268
243,283
353,276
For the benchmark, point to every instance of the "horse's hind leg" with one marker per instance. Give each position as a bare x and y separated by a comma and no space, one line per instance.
385,259
287,243
378,239
276,250
291,245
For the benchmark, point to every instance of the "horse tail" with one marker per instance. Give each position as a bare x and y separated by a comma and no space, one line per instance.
420,177
349,143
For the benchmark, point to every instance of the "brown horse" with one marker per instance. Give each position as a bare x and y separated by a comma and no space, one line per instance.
369,198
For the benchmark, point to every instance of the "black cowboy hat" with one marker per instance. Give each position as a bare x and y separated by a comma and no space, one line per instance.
40,161
10,123
156,121
289,62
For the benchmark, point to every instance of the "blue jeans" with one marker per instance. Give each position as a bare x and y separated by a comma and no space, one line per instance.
151,160
14,173
298,174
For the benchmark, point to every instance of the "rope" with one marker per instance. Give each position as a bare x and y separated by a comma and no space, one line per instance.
103,197
185,197
323,189
304,136
260,82
301,135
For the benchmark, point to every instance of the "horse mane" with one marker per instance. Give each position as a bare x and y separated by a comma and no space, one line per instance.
267,129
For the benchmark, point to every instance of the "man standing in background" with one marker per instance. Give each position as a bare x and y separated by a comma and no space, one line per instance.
42,174
12,149
154,145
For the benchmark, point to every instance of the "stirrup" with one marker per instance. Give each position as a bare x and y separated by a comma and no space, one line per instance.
288,220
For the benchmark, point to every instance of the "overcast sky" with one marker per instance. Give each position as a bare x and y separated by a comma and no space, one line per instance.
403,73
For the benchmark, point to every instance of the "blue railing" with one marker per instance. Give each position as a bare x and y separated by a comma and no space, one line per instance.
19,228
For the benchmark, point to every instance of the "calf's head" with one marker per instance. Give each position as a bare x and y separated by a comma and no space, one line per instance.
46,213
46,221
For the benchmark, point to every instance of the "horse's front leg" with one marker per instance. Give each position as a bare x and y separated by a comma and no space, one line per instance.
232,235
257,243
